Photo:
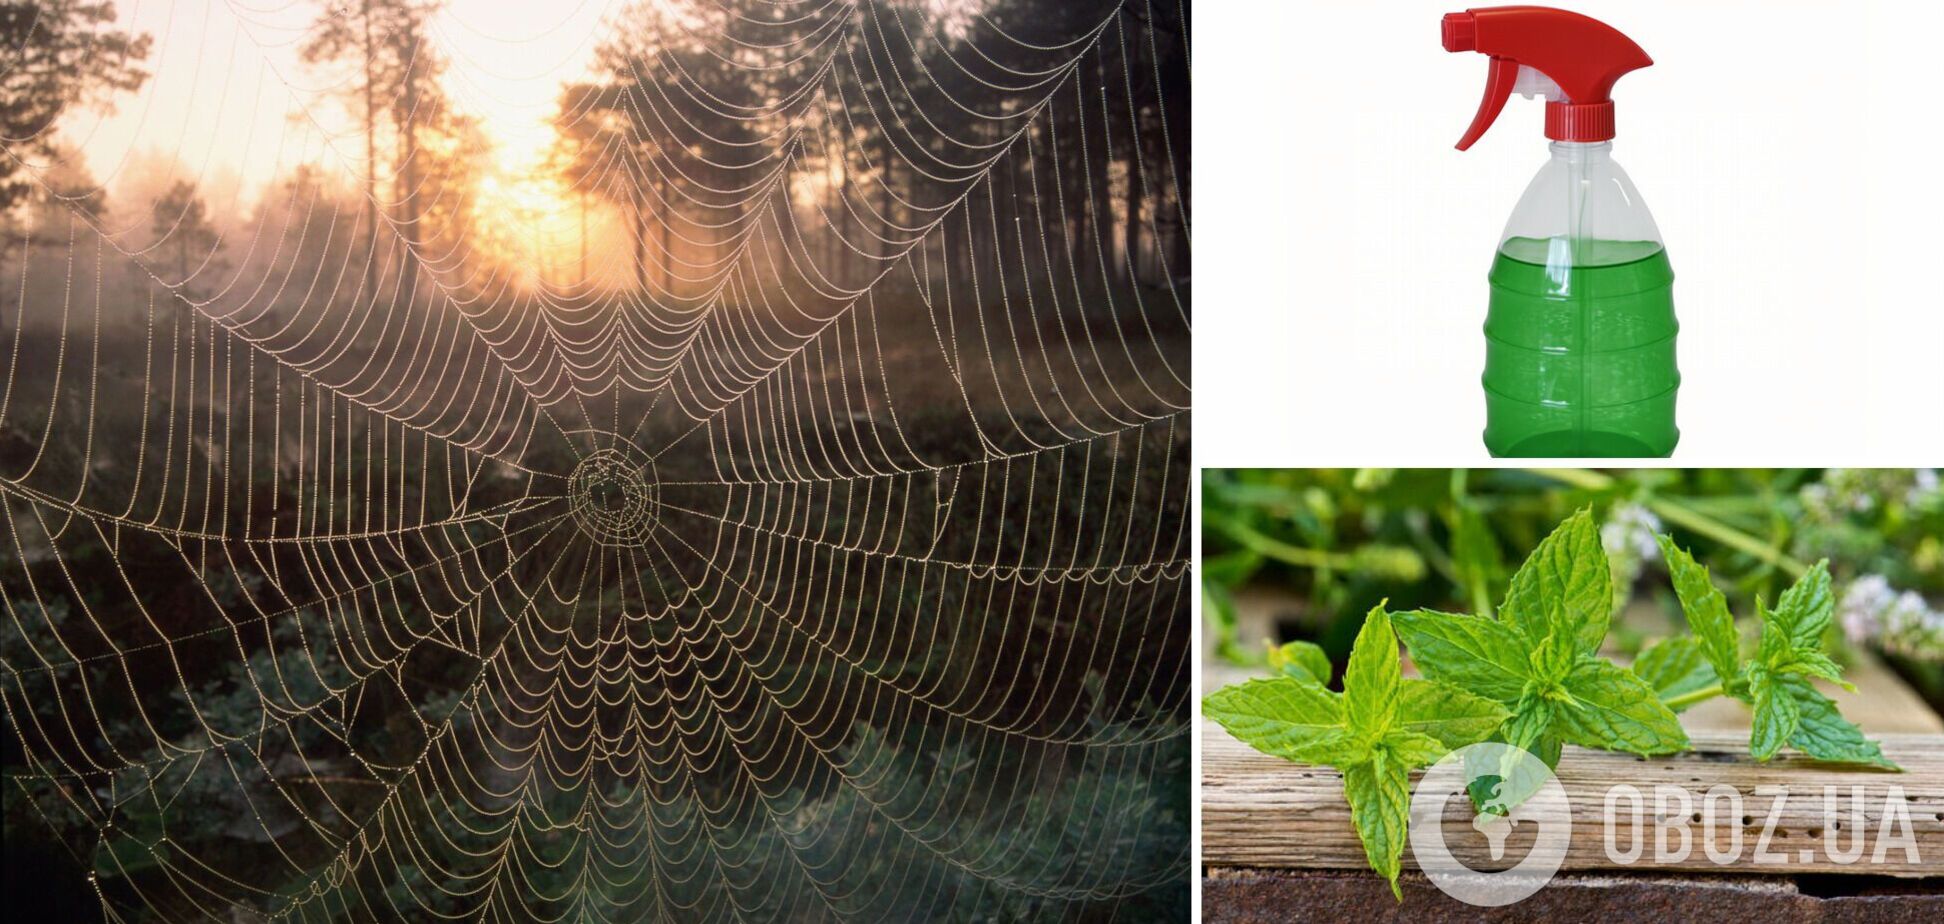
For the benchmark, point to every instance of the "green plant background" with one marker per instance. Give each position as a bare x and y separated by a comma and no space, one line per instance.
1347,538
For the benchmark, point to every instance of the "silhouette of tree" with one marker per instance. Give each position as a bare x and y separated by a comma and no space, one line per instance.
66,191
611,139
55,54
184,237
397,74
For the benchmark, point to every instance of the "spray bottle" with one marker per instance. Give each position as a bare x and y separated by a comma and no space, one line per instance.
1580,335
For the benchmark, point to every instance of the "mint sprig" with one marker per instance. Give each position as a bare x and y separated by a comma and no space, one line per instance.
1541,656
1380,728
1776,680
1532,677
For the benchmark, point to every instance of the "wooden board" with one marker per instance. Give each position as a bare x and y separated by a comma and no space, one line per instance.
1261,811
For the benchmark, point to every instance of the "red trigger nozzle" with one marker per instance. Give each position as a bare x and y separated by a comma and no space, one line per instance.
1460,32
1499,81
1580,58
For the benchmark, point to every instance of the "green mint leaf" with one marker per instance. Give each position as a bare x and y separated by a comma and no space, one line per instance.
1499,785
1541,659
1547,749
1823,733
1505,783
1284,717
1532,715
1815,664
1380,804
1774,644
1413,749
1371,678
1553,658
1482,655
1617,711
1705,606
1676,667
1803,613
1776,716
1300,660
1446,713
1565,583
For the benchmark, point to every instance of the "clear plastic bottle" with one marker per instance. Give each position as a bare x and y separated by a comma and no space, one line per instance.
1580,335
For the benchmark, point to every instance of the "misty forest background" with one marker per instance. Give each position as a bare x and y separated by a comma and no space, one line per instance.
120,307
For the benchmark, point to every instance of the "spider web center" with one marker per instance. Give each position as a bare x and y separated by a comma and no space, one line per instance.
614,495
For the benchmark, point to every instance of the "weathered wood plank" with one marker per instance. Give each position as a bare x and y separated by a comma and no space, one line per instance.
1261,811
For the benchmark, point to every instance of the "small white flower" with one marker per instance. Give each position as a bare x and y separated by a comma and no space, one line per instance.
1863,606
1872,611
1629,531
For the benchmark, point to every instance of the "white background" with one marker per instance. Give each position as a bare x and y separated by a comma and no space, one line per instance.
1788,152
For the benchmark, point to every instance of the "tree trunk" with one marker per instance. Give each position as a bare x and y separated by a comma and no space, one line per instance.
640,241
738,212
1131,240
408,203
667,256
847,258
1100,191
887,205
1173,94
835,186
1178,264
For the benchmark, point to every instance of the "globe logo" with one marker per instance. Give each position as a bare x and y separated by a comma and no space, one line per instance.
1503,789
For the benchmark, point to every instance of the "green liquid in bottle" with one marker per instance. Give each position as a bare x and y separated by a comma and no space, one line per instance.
1580,350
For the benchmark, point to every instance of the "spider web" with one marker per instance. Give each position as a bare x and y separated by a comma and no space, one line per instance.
812,555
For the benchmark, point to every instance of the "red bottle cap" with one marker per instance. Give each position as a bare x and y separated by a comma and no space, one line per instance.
1580,54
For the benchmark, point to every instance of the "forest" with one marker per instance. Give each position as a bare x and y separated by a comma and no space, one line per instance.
753,489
